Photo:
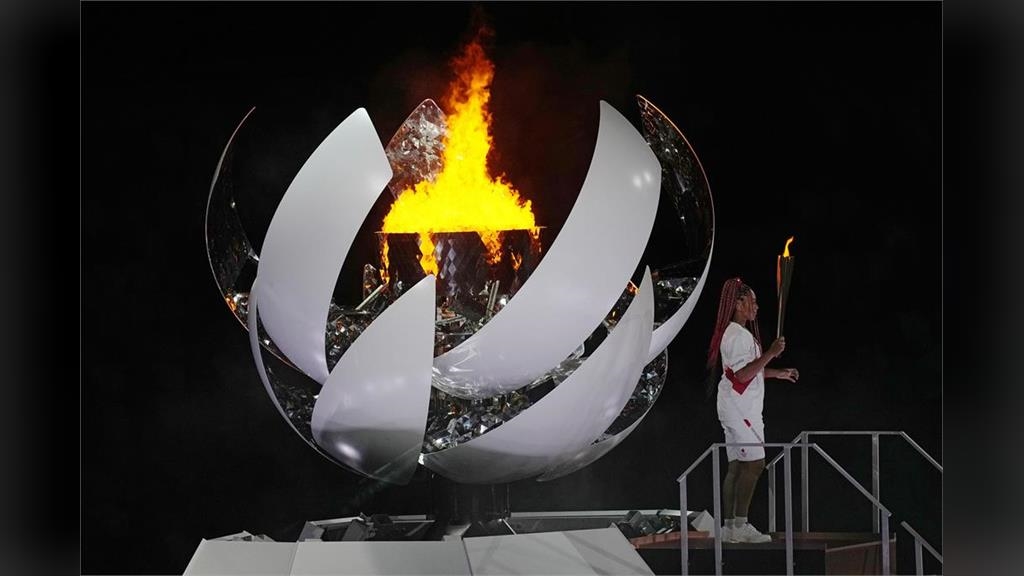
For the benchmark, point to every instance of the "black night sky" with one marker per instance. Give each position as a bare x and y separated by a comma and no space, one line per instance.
818,120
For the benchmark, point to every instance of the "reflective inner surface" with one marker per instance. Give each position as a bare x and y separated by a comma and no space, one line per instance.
470,289
453,420
231,255
648,388
685,185
415,150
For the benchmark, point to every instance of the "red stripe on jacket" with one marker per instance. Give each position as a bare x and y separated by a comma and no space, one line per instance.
738,385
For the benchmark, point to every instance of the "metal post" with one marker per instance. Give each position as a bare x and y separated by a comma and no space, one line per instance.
717,493
789,511
875,483
684,528
805,486
885,544
771,498
918,558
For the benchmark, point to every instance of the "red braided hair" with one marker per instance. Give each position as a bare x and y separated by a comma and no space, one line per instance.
732,290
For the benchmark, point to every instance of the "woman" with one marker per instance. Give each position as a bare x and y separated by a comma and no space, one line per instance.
740,400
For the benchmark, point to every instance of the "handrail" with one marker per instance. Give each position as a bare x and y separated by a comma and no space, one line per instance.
918,542
901,433
921,451
850,479
695,463
881,511
805,518
779,457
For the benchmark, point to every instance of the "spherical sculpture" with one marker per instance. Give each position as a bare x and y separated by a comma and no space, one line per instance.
482,356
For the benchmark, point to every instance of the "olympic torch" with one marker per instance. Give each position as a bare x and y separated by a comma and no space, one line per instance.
783,276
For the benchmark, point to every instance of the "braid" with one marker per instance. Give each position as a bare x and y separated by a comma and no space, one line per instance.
752,326
726,309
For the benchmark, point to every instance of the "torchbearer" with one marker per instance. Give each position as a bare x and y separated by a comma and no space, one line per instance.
736,342
783,276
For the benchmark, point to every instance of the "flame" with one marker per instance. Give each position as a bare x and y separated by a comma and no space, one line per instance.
427,260
384,261
785,251
517,261
463,196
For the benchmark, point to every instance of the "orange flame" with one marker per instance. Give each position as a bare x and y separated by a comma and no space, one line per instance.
384,261
785,251
463,197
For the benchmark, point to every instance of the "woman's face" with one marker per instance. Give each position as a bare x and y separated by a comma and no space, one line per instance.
746,305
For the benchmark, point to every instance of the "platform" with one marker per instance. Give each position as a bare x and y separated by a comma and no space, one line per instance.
813,553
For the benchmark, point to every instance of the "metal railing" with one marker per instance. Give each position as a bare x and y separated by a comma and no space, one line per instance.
713,450
805,503
920,542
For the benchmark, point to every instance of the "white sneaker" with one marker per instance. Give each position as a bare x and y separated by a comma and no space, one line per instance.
747,533
726,534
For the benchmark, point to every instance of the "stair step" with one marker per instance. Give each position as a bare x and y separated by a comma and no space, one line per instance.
813,553
801,541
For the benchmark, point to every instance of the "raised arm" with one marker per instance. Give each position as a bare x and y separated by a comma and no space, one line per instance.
748,372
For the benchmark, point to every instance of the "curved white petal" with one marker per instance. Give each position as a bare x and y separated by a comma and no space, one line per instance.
372,411
261,368
668,330
569,417
581,276
310,235
590,454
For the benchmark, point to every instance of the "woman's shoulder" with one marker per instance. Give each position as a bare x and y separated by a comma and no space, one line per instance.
736,335
735,330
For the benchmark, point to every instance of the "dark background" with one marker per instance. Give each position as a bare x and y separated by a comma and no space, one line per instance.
821,121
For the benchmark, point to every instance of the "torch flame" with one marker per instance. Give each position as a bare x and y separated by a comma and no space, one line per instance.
463,197
785,251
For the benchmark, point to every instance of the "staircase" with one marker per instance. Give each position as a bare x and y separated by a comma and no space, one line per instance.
791,552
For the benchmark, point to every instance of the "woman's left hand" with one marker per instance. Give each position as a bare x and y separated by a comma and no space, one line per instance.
790,374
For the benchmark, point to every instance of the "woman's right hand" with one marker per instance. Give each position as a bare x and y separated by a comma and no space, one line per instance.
777,347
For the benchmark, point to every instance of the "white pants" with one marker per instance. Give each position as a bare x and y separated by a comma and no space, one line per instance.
738,431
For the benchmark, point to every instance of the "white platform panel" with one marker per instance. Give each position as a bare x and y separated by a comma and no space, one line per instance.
608,551
603,551
371,558
224,558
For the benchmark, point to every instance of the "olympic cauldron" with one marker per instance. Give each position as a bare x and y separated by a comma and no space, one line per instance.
509,361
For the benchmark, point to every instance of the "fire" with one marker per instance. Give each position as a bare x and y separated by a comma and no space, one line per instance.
463,197
785,251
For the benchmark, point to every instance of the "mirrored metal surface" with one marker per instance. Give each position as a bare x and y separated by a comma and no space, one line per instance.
685,185
228,250
415,151
234,261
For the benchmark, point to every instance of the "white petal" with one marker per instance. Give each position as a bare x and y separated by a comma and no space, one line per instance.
310,236
372,411
569,417
580,277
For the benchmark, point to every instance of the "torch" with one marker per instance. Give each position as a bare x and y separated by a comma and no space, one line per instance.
783,276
